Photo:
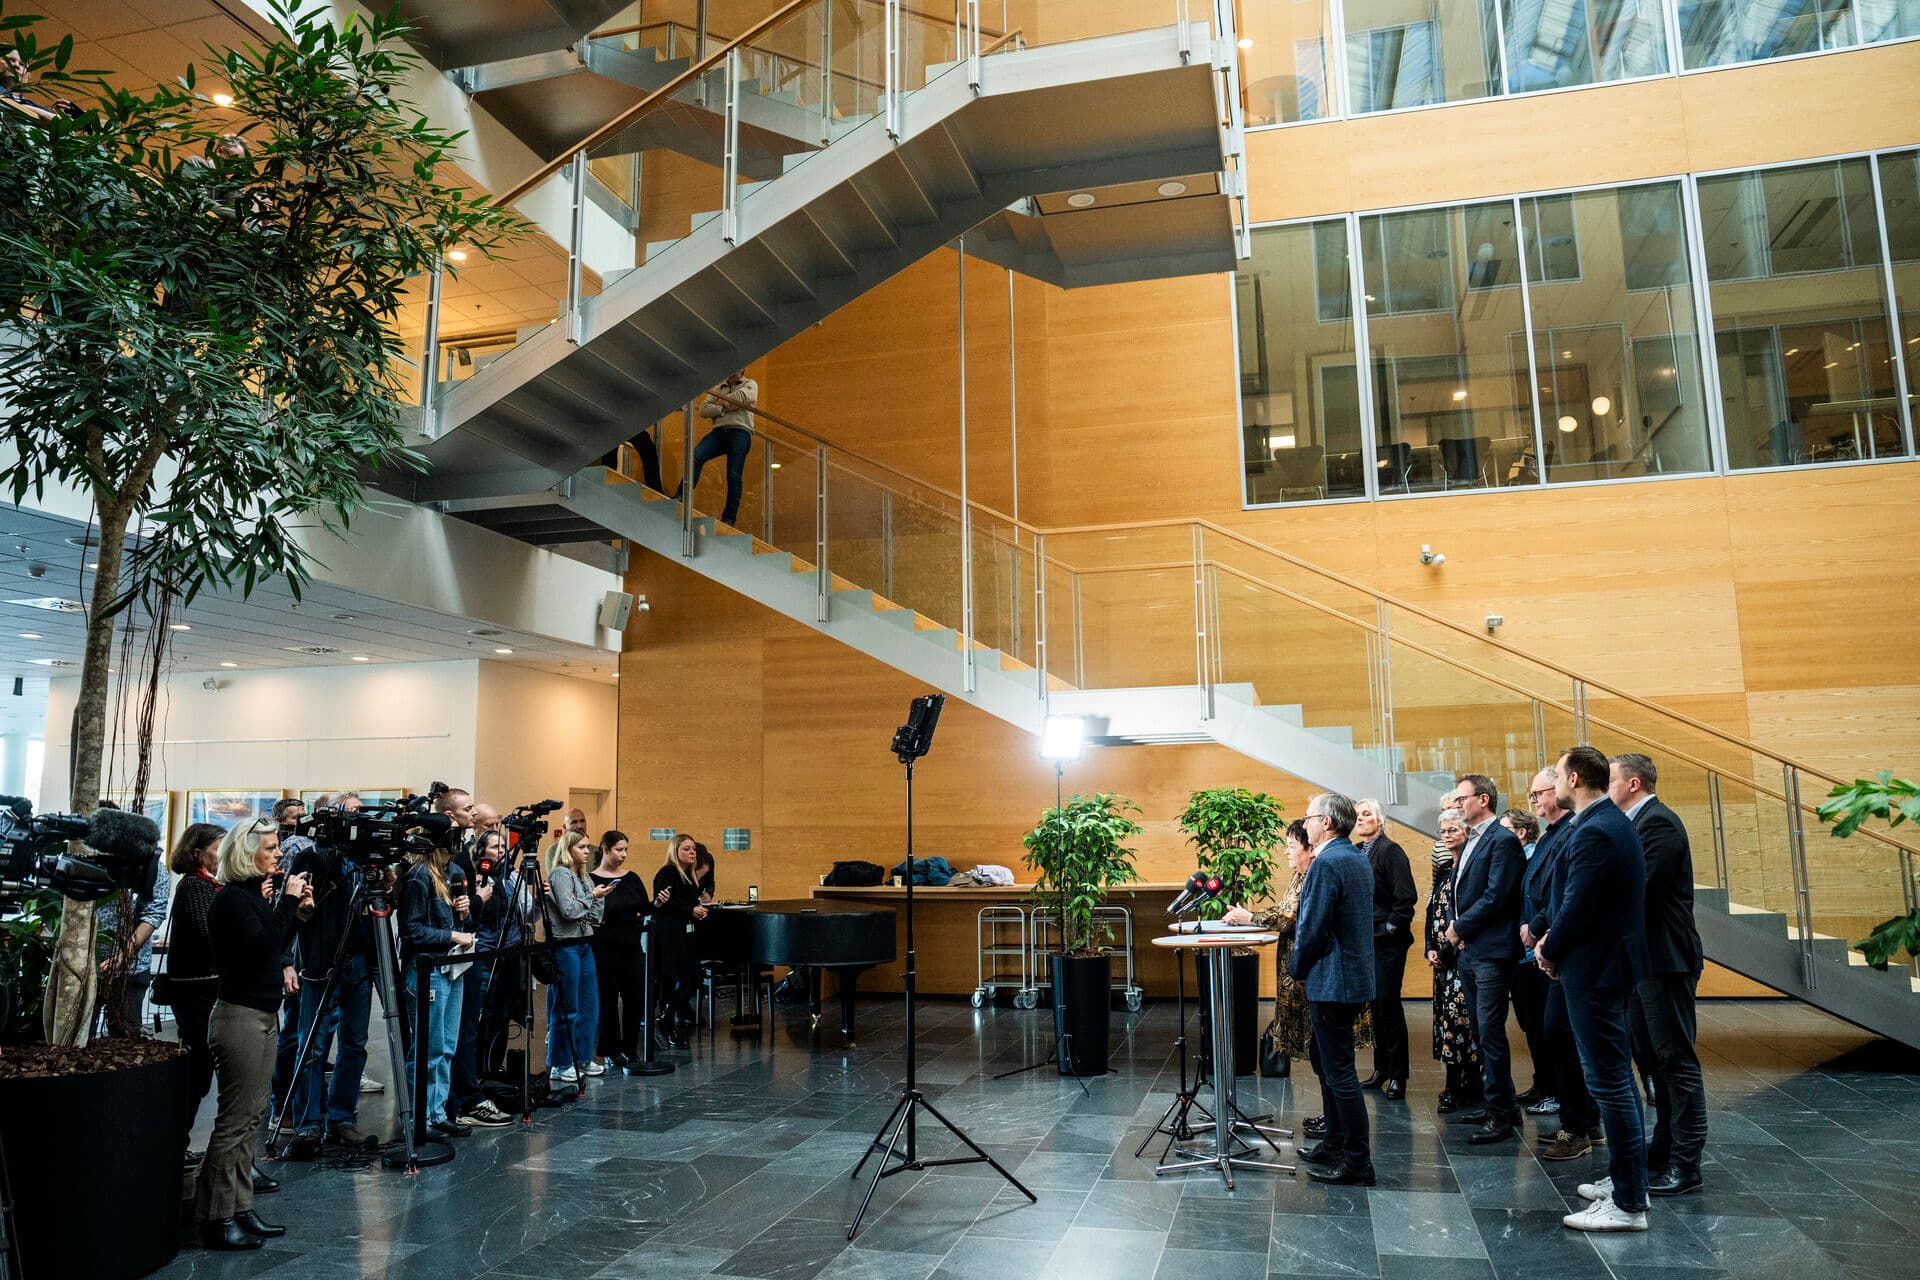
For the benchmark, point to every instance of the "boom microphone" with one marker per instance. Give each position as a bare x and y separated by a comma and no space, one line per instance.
120,834
20,805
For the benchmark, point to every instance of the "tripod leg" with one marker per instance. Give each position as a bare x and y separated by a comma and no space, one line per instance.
875,1144
1159,1128
881,1172
975,1147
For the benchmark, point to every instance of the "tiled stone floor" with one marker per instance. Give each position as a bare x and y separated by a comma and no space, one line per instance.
737,1165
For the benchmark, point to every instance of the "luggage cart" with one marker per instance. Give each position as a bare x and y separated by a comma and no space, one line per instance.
994,926
1046,922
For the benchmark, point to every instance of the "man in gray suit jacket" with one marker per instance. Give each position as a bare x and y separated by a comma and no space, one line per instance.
1333,961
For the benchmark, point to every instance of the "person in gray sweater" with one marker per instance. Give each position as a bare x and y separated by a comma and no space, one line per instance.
573,1002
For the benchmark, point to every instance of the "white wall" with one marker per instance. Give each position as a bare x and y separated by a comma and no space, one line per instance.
541,736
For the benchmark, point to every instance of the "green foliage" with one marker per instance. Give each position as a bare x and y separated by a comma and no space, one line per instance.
1234,831
1078,852
26,958
1893,801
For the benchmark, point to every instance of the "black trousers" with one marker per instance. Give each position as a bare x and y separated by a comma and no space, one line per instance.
620,966
1530,1009
677,970
1578,1114
1487,983
1663,1036
1389,1014
1340,1099
192,1007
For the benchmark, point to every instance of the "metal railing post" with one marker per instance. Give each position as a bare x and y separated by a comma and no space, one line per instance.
730,153
972,45
1718,814
686,482
886,543
1203,651
823,576
1040,612
766,490
890,70
969,672
1183,20
1079,639
826,73
1580,710
1386,674
430,357
1539,736
1797,860
576,237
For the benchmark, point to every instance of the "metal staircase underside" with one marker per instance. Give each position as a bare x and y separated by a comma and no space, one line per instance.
1114,112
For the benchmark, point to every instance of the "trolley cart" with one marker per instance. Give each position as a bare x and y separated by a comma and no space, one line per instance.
1001,933
1045,926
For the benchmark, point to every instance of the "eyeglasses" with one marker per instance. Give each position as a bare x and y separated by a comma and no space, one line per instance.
1321,816
1540,791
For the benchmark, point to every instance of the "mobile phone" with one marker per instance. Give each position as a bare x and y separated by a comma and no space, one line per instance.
753,893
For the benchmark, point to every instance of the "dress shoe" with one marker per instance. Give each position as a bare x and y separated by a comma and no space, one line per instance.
1394,1090
1531,1096
305,1146
1544,1107
1448,1104
1373,1081
1597,1136
227,1234
450,1128
1320,1153
1477,1116
1491,1132
1314,1126
262,1184
1674,1182
1348,1173
249,1222
1565,1145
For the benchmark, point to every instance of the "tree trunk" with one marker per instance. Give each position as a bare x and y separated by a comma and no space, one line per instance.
73,984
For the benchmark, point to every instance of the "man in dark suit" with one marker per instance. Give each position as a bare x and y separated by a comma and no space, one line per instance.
1486,929
1663,1002
1579,1119
1393,901
1596,946
1333,962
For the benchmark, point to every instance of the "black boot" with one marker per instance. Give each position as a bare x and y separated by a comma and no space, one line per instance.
226,1233
262,1184
249,1221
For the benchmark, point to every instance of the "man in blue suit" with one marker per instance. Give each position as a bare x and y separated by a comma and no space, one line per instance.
1596,946
1333,961
1486,929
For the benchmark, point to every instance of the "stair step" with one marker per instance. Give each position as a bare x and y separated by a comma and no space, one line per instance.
1712,897
1286,712
1824,944
1771,923
1339,735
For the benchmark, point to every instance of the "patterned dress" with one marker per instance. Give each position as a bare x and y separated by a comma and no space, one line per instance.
1290,1031
1452,1017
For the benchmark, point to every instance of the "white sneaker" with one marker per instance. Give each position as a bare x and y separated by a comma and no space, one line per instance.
594,1069
1605,1215
1601,1190
563,1075
369,1085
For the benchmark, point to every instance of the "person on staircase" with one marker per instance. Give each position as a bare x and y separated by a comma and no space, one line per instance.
729,407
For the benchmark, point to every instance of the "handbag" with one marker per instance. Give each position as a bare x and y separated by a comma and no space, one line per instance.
1274,1065
160,989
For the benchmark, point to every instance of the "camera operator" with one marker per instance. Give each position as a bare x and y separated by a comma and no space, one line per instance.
320,1108
133,948
430,923
676,949
249,926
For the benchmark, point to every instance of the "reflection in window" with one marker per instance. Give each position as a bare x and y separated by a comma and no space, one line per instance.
1900,207
1400,55
1283,61
1620,384
1552,44
1451,397
1800,317
1888,19
1714,33
1299,396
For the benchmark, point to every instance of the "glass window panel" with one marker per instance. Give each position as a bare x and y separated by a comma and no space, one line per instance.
1888,19
1451,397
1900,197
1800,319
1552,44
1299,393
1283,66
1409,53
1621,388
1714,33
1552,239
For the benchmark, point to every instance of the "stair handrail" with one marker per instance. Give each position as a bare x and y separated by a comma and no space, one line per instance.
647,105
907,10
798,61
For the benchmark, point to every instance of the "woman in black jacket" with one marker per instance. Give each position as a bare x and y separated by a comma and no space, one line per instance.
248,927
619,959
190,953
674,945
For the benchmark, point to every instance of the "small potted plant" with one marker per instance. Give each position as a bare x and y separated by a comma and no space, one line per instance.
1234,831
1079,852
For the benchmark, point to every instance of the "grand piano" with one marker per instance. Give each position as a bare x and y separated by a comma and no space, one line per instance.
804,933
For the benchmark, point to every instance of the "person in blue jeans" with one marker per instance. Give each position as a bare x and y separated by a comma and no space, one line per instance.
730,408
428,915
1596,947
338,929
573,1002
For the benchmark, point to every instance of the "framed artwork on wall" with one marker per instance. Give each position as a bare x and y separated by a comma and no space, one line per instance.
228,808
158,806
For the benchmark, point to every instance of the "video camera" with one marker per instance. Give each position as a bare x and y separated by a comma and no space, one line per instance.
526,825
380,835
122,849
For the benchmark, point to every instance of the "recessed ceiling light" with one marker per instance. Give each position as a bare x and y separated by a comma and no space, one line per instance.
222,99
1246,42
483,631
361,657
52,604
503,649
179,626
229,665
1566,355
29,635
1080,199
1567,423
773,466
1601,405
456,255
1173,188
346,617
54,662
1461,394
93,564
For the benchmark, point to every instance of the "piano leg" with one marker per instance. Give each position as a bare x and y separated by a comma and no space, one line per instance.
849,992
813,994
743,975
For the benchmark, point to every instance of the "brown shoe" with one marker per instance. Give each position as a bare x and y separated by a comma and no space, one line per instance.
1565,1145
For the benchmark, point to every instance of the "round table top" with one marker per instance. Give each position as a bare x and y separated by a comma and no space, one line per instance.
1211,941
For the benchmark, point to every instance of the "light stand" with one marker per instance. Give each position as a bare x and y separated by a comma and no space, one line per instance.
649,1063
911,741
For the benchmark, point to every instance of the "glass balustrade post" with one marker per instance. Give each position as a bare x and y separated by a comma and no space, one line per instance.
968,671
576,244
826,73
1580,711
1202,649
686,481
1797,861
1040,613
730,153
1079,638
823,581
1719,816
1539,736
766,490
970,44
700,50
430,356
886,543
890,71
1386,675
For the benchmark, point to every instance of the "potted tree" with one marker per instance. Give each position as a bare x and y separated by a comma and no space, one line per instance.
1079,852
1233,831
1893,801
198,309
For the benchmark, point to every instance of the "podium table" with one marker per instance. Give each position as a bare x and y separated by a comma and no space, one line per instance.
1230,1150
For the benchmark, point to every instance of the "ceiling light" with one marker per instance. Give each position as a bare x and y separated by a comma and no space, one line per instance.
1566,355
1793,351
1567,423
1369,297
52,604
456,255
93,564
29,635
361,657
222,99
503,649
229,665
1246,42
54,662
1600,406
1173,188
1831,364
1080,199
774,466
1460,394
179,626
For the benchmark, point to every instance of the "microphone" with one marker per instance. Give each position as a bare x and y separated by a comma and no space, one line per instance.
120,834
457,884
20,805
1201,887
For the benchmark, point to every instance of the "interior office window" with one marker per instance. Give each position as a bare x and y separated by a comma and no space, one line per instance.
1621,387
1402,54
1900,207
1552,44
1552,239
1801,336
1299,397
1888,19
1283,64
1450,397
1714,33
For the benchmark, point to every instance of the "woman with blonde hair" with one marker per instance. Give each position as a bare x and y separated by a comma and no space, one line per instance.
1453,1043
673,923
249,925
573,1002
430,924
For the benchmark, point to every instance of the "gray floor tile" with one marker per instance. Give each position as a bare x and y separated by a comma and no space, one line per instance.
1429,1223
1322,1246
1203,1264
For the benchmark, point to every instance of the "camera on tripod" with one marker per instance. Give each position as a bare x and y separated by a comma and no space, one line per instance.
377,836
527,824
35,852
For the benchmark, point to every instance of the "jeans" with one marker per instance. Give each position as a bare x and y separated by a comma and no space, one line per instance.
1389,1015
1577,1112
1530,1009
573,1009
443,1033
1486,983
1599,1017
464,1088
733,443
349,1007
1663,1025
1340,1099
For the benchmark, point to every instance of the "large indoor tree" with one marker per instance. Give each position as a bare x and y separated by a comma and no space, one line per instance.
199,333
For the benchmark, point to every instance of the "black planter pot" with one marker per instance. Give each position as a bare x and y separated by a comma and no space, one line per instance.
1246,1024
1082,988
94,1162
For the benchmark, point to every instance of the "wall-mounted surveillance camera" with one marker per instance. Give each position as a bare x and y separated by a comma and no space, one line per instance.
210,685
1495,622
1429,556
640,605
